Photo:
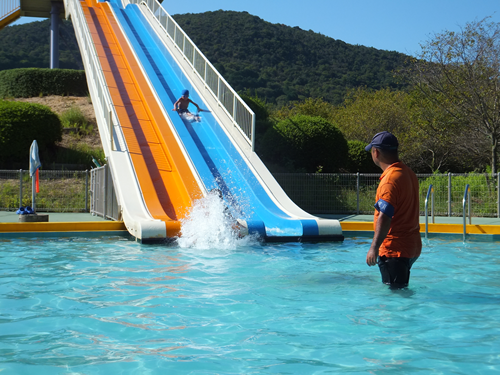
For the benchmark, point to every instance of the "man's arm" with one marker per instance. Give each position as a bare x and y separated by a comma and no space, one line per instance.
381,229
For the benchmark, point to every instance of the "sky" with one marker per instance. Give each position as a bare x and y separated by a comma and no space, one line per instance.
392,25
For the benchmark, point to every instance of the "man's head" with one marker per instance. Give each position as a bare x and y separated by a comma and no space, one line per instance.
185,93
384,141
384,148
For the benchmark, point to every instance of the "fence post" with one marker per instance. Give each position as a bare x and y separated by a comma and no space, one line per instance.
234,109
498,194
110,122
20,188
86,190
357,193
105,205
449,194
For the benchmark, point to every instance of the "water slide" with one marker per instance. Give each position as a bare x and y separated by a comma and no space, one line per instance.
10,11
138,62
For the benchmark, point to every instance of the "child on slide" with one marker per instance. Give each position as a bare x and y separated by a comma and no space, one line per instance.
181,105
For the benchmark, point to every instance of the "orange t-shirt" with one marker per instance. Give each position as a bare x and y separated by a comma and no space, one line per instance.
399,187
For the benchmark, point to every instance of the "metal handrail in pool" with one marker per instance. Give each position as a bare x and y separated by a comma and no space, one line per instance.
466,197
429,191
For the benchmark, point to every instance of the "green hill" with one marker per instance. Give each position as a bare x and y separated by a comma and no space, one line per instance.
28,46
282,63
279,63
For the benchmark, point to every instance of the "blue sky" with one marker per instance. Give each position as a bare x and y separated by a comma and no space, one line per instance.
393,25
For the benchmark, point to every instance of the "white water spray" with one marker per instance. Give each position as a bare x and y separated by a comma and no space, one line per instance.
210,226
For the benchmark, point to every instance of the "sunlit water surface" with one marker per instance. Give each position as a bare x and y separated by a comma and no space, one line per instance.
114,306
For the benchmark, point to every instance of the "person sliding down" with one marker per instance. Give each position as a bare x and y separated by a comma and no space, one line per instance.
182,104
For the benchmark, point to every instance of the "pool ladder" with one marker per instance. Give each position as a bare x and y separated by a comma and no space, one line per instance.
430,192
466,199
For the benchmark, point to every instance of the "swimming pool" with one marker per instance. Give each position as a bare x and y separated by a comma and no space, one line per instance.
112,306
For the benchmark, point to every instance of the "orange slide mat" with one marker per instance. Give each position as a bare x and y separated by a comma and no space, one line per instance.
166,180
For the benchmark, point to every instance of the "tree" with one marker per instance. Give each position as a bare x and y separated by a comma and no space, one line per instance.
366,112
430,138
310,107
460,73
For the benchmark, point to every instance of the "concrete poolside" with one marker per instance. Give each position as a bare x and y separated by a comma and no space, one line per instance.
441,225
66,223
69,222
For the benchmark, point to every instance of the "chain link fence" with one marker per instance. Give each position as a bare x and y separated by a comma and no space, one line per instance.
354,193
317,193
60,191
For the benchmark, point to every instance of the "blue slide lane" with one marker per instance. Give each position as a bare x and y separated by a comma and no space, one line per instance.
214,156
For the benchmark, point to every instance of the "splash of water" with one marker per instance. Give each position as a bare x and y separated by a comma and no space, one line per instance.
210,226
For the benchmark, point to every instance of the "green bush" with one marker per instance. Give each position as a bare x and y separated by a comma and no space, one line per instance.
307,144
359,159
74,118
31,82
257,105
20,124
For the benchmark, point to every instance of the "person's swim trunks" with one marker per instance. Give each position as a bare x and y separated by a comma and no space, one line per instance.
395,271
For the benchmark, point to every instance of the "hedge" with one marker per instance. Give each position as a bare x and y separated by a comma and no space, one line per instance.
31,82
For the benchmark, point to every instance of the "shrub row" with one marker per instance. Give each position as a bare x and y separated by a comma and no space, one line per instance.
31,82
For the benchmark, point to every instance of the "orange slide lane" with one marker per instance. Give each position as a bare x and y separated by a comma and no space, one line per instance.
166,180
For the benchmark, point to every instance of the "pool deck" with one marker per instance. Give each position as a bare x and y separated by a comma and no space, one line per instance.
441,225
60,223
78,223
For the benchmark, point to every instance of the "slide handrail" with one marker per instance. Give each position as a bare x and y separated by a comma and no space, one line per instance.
93,69
8,7
235,107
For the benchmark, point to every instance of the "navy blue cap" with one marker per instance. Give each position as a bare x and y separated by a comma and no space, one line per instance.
185,92
383,141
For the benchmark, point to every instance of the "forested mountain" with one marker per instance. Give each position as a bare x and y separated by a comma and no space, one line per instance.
277,62
28,46
284,63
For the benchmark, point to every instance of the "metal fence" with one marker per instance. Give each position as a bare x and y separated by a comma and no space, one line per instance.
103,200
335,193
60,191
354,193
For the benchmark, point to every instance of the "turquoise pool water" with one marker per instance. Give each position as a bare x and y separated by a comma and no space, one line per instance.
114,306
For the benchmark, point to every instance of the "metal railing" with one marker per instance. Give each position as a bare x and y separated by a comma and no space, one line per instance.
103,200
430,191
239,112
60,191
8,7
93,70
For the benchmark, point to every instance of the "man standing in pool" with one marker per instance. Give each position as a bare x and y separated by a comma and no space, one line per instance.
396,242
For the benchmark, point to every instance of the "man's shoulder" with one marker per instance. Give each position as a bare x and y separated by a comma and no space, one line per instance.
398,172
